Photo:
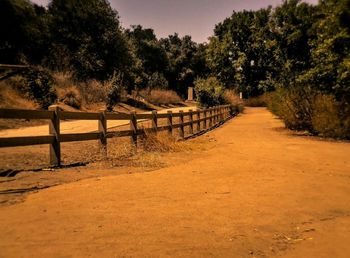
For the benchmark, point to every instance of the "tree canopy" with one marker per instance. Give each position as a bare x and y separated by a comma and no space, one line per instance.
253,52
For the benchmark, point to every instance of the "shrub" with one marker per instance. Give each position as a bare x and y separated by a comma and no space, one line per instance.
159,96
331,118
294,106
70,96
37,83
10,98
259,101
115,86
209,92
307,109
234,100
157,81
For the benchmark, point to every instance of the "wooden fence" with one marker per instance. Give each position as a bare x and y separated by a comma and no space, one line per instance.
208,117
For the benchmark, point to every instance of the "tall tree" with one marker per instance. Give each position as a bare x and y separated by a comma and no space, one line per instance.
186,61
292,28
86,35
241,54
22,32
330,54
152,57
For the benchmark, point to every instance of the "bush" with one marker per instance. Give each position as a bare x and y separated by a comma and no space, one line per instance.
159,96
294,106
231,98
306,109
11,98
331,118
209,92
70,96
259,101
115,88
37,83
157,81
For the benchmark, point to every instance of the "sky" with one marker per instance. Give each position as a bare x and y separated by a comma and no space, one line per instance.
187,17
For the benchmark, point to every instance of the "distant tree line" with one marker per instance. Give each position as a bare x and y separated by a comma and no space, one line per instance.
298,52
86,38
293,45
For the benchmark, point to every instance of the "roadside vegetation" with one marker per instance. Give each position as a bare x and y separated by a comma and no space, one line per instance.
293,58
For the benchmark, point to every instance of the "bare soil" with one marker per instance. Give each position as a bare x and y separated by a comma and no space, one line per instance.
257,190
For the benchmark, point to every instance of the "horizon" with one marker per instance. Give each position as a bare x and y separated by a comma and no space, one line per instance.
167,17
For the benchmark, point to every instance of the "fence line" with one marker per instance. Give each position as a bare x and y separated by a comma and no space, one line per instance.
55,115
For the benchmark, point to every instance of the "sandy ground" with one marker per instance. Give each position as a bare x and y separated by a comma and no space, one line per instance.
76,126
261,191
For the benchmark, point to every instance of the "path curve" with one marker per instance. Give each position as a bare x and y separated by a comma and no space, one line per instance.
262,192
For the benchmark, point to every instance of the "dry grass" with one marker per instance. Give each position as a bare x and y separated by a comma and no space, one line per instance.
82,95
10,98
70,96
160,97
232,98
259,101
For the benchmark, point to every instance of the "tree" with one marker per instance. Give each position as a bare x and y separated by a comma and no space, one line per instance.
22,32
89,35
209,92
330,54
291,24
150,54
241,54
186,62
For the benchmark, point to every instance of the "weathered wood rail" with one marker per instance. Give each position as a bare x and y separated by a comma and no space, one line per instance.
209,118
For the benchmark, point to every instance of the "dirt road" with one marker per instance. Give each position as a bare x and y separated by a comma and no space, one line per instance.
261,192
76,126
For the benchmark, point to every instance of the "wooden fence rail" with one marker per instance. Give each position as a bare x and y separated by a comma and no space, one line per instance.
209,117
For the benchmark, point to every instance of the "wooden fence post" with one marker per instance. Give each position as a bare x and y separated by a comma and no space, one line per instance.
133,128
154,121
210,117
54,129
214,116
170,122
191,120
198,121
205,119
217,115
102,128
181,122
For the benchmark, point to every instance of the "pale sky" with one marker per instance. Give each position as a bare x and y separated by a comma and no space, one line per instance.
187,17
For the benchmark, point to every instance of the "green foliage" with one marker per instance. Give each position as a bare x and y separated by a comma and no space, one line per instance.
329,117
148,49
209,92
186,62
330,70
295,106
22,33
242,54
37,83
157,81
116,87
307,109
90,36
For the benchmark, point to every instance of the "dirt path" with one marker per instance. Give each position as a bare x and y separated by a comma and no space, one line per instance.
262,192
76,126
